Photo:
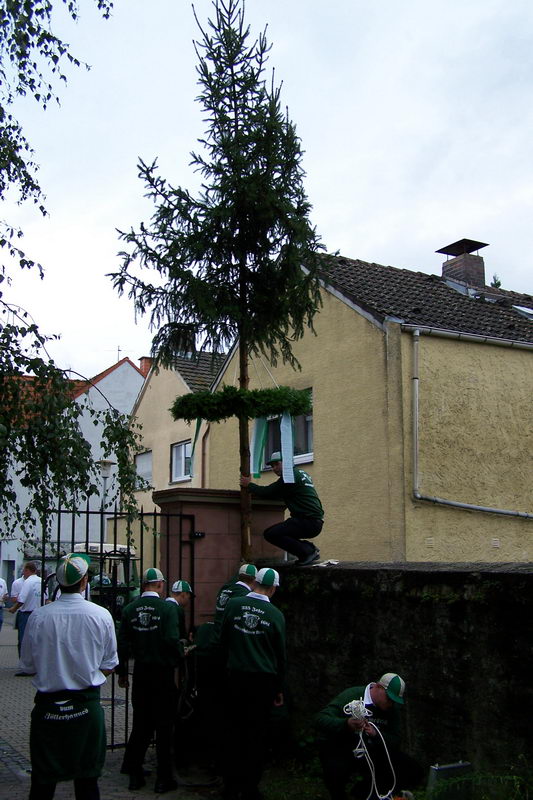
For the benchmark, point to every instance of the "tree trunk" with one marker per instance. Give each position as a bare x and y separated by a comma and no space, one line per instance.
244,450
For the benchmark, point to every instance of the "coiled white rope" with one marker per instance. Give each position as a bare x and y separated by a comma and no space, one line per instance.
357,710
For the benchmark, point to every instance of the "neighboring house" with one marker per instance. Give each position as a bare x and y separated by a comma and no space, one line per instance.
421,438
119,385
167,457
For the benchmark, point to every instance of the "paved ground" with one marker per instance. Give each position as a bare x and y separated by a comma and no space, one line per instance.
16,702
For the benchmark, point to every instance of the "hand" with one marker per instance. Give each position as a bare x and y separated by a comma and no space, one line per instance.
369,729
123,681
278,700
245,480
12,610
356,724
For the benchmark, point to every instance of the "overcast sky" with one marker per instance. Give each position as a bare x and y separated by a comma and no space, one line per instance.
415,117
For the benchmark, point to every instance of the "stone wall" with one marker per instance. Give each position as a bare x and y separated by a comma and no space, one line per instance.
460,635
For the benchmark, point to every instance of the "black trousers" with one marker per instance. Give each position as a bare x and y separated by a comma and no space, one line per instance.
249,701
153,697
84,789
288,535
339,764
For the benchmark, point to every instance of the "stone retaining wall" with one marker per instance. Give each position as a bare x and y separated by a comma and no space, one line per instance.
460,635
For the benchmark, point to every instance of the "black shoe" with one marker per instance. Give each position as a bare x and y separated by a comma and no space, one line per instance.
136,782
165,786
22,674
314,556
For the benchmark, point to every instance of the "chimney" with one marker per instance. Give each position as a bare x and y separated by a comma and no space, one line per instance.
464,265
145,364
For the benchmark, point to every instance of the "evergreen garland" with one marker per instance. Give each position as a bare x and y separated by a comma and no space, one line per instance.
247,404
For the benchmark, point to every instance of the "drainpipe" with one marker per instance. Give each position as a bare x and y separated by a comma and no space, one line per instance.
416,491
416,342
204,449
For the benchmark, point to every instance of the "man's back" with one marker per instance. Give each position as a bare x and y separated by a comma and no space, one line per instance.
253,635
67,643
149,632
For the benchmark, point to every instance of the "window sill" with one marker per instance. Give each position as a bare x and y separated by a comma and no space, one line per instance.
185,479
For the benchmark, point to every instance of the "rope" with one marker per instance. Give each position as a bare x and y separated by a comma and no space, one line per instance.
254,362
274,381
357,710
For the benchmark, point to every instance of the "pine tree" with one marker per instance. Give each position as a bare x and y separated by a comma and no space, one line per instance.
230,259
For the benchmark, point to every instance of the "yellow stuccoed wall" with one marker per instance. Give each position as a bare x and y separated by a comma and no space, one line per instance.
160,431
475,440
347,368
476,447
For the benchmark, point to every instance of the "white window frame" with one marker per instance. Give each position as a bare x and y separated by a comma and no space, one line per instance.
183,452
301,458
141,462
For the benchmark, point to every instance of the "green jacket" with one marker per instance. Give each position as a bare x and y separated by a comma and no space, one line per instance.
149,633
252,636
225,594
300,497
331,721
182,624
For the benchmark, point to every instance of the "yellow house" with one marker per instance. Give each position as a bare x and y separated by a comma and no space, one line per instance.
420,440
167,457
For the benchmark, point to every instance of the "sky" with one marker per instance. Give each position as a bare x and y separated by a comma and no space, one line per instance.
416,118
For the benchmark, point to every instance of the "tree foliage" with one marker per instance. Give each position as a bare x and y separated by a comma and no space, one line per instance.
32,56
41,442
230,259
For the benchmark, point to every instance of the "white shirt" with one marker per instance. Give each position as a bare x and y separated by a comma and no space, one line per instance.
30,594
3,591
16,586
67,643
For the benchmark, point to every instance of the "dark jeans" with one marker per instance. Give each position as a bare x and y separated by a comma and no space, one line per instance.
288,535
153,697
22,619
84,789
339,764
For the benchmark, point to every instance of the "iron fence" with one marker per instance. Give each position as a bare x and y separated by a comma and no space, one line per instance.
120,551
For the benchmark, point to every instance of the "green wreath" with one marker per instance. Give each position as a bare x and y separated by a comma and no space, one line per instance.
241,403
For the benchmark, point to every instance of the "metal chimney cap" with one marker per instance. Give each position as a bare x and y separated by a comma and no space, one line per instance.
461,247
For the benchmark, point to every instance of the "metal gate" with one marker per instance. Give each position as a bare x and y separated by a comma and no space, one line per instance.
120,552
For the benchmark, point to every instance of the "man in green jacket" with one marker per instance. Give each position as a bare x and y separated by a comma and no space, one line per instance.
358,733
149,632
180,596
306,512
253,642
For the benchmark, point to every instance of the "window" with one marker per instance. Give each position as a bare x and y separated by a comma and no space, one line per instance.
303,438
143,465
180,461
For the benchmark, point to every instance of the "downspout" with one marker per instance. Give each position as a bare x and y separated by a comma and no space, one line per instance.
204,451
416,342
417,495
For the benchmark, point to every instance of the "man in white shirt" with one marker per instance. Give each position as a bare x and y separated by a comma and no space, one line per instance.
3,597
70,647
14,592
28,600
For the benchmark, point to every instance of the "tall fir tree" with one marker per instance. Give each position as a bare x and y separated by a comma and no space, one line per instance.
230,259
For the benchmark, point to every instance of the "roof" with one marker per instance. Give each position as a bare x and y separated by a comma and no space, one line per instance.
79,387
199,369
416,298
